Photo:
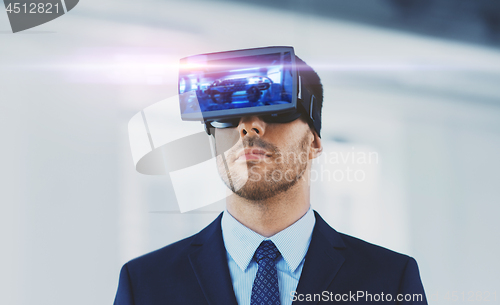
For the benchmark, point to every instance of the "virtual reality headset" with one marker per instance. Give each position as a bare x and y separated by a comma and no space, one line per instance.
221,88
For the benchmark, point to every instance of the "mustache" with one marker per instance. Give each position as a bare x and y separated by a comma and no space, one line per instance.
256,142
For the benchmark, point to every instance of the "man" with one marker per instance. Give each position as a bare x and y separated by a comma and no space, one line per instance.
269,246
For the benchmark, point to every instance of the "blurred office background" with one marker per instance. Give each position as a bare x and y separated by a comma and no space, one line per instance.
416,82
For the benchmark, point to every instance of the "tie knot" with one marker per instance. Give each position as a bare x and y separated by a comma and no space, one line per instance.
266,249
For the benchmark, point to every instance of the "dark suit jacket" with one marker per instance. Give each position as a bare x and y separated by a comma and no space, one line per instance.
195,271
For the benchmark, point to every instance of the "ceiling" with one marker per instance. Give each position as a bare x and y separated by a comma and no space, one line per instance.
474,21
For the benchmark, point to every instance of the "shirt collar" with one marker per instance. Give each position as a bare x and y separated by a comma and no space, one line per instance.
292,242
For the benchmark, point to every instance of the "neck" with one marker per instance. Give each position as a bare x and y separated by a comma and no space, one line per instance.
272,215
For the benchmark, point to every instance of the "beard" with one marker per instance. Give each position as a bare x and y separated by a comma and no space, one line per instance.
269,177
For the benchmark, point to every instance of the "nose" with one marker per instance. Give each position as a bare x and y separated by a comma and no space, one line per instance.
251,125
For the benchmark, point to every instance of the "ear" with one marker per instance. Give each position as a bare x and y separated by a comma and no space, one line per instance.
316,146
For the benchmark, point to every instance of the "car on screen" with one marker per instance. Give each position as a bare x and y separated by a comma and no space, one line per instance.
222,91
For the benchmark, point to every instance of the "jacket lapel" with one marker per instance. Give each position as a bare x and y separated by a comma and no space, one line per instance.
323,260
209,262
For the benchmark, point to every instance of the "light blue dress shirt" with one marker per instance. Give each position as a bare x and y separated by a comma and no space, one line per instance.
241,243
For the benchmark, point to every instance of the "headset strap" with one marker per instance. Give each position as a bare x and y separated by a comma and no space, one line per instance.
309,104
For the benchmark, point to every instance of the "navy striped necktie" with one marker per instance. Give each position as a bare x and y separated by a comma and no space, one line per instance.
265,290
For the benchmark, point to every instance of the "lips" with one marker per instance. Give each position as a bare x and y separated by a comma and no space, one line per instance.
252,154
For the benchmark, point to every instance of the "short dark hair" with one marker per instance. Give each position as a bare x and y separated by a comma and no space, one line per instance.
312,78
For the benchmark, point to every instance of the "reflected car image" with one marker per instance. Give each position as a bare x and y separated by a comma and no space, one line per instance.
221,91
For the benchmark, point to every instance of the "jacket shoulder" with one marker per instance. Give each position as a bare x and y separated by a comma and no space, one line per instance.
166,254
161,263
357,249
171,258
372,252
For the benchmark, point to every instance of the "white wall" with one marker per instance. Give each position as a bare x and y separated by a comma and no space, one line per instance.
73,209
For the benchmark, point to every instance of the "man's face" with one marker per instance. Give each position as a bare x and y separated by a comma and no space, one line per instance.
263,159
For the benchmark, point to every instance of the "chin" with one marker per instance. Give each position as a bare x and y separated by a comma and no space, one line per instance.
254,193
